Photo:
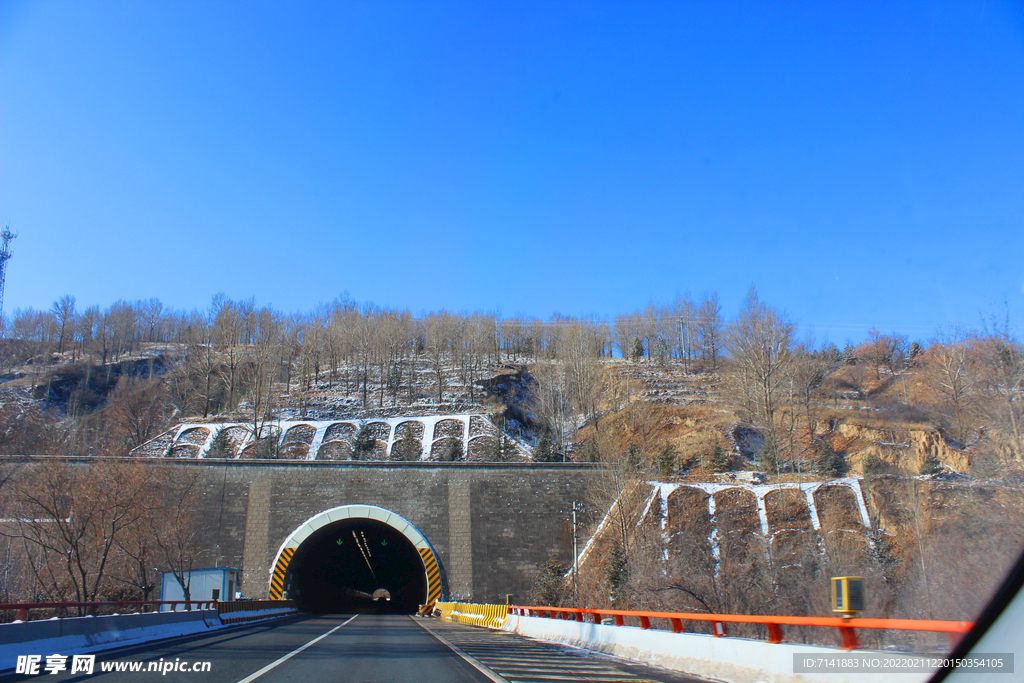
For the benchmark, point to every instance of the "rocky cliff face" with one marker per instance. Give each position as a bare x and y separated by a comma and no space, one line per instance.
907,449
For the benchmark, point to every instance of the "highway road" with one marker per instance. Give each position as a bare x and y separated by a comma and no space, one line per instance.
364,648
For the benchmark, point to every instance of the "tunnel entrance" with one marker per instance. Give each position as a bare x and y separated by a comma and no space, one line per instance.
358,565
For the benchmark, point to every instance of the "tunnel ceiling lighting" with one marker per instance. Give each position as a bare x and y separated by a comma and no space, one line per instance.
365,552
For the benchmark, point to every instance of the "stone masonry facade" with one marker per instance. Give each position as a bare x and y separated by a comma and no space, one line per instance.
491,525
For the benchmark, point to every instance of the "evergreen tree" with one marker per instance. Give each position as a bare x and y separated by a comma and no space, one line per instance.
849,354
718,460
912,353
768,458
633,458
408,449
452,451
542,451
363,443
500,449
617,573
218,445
638,349
667,461
591,452
826,460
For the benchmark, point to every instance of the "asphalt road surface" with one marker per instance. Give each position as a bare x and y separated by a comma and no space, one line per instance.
364,648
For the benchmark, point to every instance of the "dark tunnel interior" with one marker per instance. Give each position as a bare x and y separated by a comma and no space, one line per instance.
340,567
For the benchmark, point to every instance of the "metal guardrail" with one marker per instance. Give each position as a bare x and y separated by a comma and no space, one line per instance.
24,609
774,624
253,605
239,611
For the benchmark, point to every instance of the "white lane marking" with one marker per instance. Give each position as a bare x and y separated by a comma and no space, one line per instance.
473,662
268,667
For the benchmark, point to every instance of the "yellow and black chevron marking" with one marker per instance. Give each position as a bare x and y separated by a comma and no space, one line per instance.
433,575
277,582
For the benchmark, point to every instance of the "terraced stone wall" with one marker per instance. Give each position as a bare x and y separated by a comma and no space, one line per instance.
397,438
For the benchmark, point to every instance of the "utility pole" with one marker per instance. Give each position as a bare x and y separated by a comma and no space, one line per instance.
5,255
576,507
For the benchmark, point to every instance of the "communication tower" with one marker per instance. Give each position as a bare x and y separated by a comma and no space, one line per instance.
5,255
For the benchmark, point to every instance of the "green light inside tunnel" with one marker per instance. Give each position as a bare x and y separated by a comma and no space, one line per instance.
342,566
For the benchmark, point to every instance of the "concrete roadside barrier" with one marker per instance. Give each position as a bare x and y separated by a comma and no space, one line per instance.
77,635
491,616
736,660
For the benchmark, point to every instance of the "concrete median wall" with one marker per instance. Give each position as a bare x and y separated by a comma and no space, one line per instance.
77,635
87,634
736,660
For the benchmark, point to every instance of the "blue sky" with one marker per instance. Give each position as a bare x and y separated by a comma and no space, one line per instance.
860,163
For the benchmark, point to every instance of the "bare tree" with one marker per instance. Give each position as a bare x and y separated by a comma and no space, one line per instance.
175,528
71,520
264,368
709,320
1004,386
225,336
685,314
552,402
136,410
152,314
760,343
438,341
808,375
579,352
954,364
64,310
883,351
88,322
202,360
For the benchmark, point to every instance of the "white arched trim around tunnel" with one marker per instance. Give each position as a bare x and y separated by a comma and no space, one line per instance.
431,566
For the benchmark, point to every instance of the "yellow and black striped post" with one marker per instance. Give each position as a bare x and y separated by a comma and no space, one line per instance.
280,569
433,575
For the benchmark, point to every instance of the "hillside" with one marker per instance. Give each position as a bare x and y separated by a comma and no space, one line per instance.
859,468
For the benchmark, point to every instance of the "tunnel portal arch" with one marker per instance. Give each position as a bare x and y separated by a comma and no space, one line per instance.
308,562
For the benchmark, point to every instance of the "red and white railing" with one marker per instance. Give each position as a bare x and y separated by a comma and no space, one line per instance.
848,636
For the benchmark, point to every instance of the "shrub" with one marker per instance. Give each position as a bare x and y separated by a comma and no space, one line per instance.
931,465
549,586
